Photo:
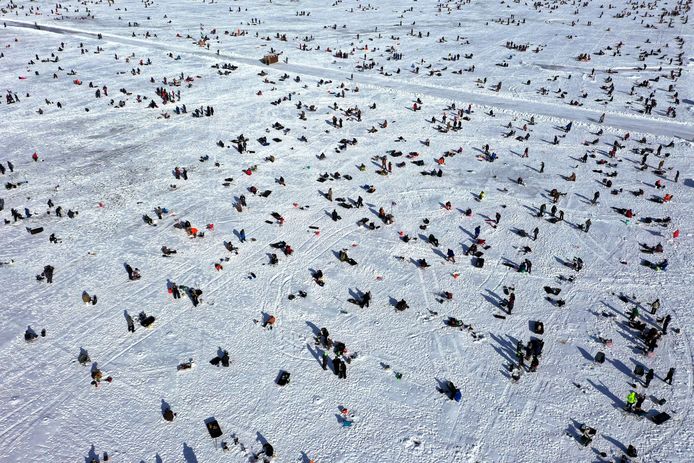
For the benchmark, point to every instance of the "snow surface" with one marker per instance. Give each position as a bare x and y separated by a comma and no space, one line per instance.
122,159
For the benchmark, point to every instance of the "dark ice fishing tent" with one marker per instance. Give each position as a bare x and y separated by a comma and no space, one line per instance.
213,428
282,378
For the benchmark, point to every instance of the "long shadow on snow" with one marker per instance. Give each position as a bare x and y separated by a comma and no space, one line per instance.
189,454
492,298
314,328
615,442
319,356
618,364
505,348
586,355
616,402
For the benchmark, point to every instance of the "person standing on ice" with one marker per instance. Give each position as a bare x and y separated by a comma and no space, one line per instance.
48,273
649,378
520,353
175,292
586,226
526,266
16,215
596,195
324,363
666,322
450,256
337,365
511,302
129,321
341,369
365,300
631,401
655,305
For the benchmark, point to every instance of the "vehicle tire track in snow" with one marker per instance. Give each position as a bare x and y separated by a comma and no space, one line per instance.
27,422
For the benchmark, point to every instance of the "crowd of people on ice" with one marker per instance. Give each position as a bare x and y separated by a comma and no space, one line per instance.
645,322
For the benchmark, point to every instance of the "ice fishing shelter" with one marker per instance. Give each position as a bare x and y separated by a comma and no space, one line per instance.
270,58
213,427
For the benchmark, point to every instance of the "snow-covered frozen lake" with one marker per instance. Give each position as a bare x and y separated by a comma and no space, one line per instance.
334,121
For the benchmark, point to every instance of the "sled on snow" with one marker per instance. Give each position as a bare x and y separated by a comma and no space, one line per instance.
185,365
660,418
